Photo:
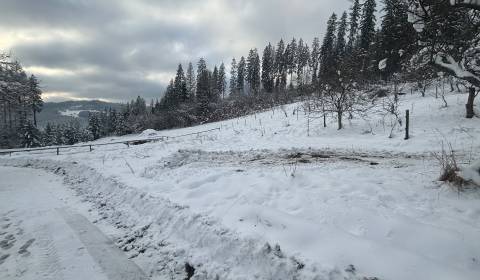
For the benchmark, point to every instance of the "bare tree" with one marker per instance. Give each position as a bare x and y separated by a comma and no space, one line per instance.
449,31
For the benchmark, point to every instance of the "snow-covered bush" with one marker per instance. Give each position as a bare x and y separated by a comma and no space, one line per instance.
471,174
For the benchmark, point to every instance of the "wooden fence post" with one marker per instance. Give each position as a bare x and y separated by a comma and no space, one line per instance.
407,125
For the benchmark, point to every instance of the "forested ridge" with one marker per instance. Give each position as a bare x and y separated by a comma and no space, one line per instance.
418,42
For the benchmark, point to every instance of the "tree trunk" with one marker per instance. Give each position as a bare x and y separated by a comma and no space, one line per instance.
35,117
339,117
469,105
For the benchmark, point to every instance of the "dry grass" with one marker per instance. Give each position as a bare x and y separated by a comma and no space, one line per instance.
449,167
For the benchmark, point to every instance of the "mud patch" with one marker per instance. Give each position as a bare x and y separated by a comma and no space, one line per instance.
260,157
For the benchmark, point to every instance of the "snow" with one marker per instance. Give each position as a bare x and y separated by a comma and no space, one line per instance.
454,66
74,113
149,132
329,200
382,64
472,173
35,222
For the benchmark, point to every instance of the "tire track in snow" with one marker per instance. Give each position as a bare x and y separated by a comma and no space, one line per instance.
50,267
112,261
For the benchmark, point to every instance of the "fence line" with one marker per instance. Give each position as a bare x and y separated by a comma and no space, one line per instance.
126,142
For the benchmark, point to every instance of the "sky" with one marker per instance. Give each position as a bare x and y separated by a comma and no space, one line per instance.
115,50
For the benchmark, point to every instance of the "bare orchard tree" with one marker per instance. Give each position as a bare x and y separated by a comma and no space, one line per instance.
341,96
449,32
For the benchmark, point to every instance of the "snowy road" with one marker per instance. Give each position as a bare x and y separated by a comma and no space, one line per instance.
42,237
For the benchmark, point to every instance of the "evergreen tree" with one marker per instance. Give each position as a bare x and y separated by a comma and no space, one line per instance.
214,85
203,88
72,133
59,135
268,74
280,67
30,135
303,60
340,44
35,97
49,135
353,24
222,81
233,77
327,52
191,82
253,71
397,36
367,25
168,100
291,59
241,76
121,123
315,60
94,126
180,87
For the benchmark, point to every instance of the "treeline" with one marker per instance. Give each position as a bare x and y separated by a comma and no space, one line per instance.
416,41
350,51
20,101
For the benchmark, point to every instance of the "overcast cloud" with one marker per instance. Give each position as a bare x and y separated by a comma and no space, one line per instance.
118,49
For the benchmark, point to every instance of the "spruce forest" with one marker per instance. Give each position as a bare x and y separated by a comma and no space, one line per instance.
418,42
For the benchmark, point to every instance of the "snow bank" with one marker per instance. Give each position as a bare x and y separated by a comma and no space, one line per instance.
149,132
472,173
162,236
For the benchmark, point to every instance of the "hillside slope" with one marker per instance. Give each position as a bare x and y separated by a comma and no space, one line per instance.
339,204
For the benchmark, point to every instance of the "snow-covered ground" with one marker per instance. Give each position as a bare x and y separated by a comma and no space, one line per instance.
74,113
259,198
43,237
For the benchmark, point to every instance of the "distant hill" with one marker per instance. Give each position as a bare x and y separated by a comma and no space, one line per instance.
62,112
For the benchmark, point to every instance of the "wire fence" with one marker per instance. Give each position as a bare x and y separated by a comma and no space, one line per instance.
92,145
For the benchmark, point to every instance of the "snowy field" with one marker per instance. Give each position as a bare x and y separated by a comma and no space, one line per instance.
261,199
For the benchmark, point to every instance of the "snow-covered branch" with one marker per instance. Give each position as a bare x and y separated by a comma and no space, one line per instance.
472,4
448,63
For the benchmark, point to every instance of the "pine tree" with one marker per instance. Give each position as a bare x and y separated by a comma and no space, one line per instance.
353,24
397,36
303,60
268,68
112,120
367,25
31,135
94,126
315,60
327,52
291,59
71,133
233,77
180,87
121,124
280,67
168,100
35,97
203,88
214,85
49,135
59,135
241,76
191,82
222,81
340,44
253,71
